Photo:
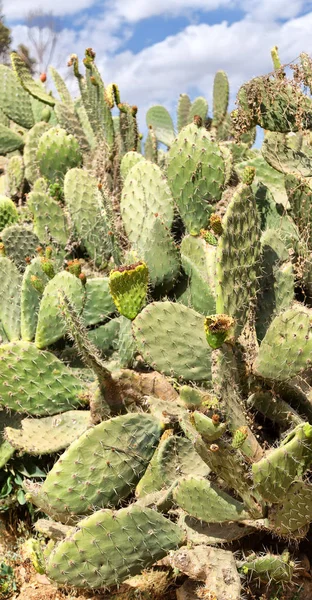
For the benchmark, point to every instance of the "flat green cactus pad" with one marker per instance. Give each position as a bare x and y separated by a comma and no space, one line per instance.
36,382
110,546
172,340
10,298
49,434
100,468
287,345
205,501
51,325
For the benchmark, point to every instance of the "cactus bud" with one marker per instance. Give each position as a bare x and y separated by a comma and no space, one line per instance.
48,252
216,224
128,287
216,419
83,278
48,267
2,249
74,267
214,447
198,121
43,77
240,435
209,237
37,283
39,250
89,52
46,114
248,175
218,328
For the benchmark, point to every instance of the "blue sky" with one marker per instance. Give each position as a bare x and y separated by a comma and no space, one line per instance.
157,49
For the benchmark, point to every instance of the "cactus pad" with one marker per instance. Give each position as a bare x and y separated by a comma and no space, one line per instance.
110,546
128,287
20,245
51,326
196,175
171,339
100,468
286,347
49,434
10,298
36,382
8,212
57,153
205,501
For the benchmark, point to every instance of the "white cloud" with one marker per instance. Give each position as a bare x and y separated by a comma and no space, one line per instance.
268,10
18,9
142,9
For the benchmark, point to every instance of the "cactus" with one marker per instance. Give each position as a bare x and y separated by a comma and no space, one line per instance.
52,388
204,251
10,298
287,358
10,140
49,218
122,448
31,295
159,119
203,500
196,174
274,473
14,100
8,212
57,153
128,288
23,74
269,567
15,175
20,244
174,458
145,194
135,539
236,258
98,304
171,339
198,262
84,202
51,326
32,138
211,429
49,434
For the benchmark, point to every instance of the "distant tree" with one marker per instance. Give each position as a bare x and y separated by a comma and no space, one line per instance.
31,63
5,39
43,34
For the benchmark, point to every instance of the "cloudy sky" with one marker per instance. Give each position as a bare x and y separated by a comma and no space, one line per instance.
157,49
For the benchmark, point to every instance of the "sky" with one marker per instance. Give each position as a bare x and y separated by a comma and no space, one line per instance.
156,49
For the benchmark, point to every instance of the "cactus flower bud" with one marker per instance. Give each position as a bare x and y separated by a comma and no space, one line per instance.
74,267
48,267
218,328
37,283
216,224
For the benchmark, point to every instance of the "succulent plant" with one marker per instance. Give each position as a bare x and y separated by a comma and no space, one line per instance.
149,313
